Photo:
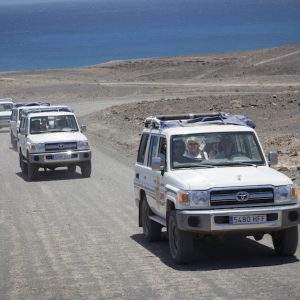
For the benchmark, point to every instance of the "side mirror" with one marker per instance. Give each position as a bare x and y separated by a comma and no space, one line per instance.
273,158
83,128
157,164
22,131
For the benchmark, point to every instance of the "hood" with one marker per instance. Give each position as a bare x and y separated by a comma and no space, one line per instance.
204,179
6,113
57,137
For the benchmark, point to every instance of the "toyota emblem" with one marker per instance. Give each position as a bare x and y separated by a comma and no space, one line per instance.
242,196
61,146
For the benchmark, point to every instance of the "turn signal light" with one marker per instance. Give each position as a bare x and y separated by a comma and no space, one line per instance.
183,198
294,192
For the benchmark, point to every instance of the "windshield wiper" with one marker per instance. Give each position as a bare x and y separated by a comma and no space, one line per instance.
186,166
239,163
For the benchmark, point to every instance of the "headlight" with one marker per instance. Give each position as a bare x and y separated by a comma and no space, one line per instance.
286,193
193,198
83,145
36,147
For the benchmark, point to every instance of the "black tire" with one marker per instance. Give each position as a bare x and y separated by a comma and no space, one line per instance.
32,171
72,169
86,168
12,140
23,165
286,241
181,243
151,229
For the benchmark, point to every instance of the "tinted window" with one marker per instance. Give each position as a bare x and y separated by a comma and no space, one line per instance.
142,148
153,150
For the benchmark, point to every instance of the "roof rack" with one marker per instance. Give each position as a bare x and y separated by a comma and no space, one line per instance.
19,104
47,109
183,120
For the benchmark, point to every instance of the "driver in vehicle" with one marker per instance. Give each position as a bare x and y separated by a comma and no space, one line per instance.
228,148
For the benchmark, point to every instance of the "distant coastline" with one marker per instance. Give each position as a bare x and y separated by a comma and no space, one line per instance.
77,34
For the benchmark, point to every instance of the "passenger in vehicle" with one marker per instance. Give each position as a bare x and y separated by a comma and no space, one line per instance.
228,148
178,150
195,149
214,149
35,126
44,124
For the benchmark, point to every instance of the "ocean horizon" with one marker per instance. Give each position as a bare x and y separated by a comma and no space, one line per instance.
76,33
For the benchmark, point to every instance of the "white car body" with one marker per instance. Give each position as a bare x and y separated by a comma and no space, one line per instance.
16,119
234,195
6,106
51,147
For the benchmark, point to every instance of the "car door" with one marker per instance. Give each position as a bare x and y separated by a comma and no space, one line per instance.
155,180
22,136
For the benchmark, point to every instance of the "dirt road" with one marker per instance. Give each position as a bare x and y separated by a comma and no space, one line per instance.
65,237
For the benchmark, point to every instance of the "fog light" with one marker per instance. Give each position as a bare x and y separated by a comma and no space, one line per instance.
293,216
194,221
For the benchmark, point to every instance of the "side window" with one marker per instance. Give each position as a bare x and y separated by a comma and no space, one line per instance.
142,148
153,151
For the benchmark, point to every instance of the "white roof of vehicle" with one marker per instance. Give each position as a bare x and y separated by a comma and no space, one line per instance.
6,100
203,128
50,113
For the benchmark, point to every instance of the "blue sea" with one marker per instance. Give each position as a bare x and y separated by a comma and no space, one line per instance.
72,33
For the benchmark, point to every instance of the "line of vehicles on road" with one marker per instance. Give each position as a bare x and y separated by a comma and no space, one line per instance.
46,136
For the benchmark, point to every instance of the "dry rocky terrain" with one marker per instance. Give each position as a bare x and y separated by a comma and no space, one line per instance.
263,85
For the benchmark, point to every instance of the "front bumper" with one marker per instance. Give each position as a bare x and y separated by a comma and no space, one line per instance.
60,158
218,221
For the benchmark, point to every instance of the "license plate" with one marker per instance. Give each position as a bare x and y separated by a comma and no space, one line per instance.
250,219
62,156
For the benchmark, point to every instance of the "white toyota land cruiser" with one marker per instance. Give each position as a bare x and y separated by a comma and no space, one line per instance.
51,138
201,175
16,115
6,106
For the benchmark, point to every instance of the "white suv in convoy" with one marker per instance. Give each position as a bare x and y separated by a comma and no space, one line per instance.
6,106
16,115
50,138
203,175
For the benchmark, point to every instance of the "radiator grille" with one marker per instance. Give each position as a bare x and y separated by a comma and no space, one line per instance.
54,147
240,197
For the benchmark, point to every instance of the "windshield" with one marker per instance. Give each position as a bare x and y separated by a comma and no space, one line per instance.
53,124
215,149
5,107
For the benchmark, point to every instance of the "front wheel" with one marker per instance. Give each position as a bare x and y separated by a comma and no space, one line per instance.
86,168
72,169
151,229
32,171
23,165
286,241
181,243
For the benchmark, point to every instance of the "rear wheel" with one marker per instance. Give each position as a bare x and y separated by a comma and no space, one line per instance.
181,243
151,229
286,241
86,168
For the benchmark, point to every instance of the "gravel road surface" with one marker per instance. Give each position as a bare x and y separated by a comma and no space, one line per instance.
65,237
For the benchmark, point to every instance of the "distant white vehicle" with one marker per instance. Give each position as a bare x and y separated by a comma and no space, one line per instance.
50,138
16,115
6,106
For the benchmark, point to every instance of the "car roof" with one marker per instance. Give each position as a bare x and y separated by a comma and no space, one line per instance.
50,113
207,128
